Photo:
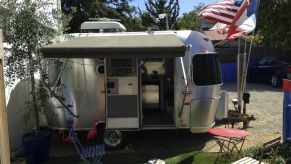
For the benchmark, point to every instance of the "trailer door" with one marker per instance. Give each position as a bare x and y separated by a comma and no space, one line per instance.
122,88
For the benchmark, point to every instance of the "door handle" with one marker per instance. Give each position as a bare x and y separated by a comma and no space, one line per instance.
129,83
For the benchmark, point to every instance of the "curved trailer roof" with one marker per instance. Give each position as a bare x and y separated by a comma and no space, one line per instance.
118,46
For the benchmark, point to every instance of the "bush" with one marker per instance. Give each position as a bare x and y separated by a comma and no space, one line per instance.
282,157
285,152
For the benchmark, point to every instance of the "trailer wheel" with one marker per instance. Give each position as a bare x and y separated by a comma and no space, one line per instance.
115,139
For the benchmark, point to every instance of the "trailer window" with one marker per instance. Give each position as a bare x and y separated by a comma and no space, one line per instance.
206,69
121,67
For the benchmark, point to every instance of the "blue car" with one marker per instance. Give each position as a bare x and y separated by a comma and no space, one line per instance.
268,70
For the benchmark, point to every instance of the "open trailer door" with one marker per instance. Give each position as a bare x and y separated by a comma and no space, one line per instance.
122,53
122,93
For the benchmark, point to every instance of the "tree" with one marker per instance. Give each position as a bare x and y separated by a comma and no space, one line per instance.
274,23
156,7
190,20
26,28
81,11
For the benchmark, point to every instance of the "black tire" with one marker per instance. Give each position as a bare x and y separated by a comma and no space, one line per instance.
276,81
115,139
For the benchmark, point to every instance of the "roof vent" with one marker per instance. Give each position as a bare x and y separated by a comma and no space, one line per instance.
102,25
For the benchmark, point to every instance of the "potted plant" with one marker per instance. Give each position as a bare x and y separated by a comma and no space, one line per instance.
26,28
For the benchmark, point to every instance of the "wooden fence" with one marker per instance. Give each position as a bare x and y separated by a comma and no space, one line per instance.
229,55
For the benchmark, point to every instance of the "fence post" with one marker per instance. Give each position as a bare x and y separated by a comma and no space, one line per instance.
4,139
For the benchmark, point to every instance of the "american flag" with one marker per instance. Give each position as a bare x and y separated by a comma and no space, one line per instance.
245,22
224,11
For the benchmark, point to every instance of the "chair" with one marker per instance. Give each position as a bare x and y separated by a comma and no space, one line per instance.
86,153
272,145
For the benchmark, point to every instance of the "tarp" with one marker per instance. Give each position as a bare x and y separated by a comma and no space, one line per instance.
117,46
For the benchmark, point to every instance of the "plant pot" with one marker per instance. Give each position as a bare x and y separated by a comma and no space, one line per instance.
36,148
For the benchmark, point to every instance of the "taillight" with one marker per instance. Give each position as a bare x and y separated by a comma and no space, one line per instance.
289,68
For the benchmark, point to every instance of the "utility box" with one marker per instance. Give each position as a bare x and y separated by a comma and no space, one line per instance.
287,110
222,111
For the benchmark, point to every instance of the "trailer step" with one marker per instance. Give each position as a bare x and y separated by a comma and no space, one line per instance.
159,127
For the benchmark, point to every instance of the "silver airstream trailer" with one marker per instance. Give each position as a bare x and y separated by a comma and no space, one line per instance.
132,81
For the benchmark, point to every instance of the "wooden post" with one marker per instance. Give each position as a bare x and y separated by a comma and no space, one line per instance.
4,139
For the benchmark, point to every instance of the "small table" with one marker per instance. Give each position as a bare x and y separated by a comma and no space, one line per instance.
229,140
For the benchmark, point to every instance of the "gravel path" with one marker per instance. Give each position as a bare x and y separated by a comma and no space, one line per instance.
266,104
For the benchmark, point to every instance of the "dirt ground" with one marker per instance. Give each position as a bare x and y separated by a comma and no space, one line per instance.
266,104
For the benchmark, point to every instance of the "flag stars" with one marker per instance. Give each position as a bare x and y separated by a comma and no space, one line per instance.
238,3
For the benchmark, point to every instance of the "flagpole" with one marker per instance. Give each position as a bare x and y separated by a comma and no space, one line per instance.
239,75
241,19
248,59
244,70
243,80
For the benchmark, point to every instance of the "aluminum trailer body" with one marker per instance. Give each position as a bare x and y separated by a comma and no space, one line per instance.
129,93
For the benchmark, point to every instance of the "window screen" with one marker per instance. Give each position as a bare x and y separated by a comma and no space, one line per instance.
206,69
122,67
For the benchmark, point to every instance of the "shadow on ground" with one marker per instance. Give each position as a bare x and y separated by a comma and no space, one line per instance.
168,140
231,87
143,146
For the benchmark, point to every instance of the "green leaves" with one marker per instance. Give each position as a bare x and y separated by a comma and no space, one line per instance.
274,23
26,27
150,17
114,9
190,20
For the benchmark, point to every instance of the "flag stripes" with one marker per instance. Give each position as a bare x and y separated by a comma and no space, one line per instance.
224,11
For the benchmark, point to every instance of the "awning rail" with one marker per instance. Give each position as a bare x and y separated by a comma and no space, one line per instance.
119,46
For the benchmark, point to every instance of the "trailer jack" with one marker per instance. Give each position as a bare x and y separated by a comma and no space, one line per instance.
236,116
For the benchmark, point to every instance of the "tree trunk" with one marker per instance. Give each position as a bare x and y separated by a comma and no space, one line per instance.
33,93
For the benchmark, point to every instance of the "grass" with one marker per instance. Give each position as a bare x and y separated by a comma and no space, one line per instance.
195,157
137,158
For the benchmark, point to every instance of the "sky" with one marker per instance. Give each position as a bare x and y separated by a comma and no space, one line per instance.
185,5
